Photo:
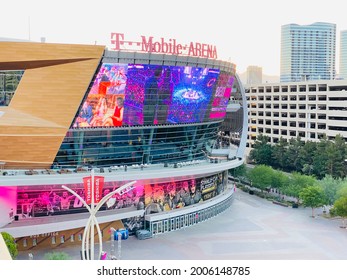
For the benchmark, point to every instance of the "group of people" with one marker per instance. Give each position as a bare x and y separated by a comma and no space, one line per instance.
48,203
165,197
45,203
118,201
186,195
108,87
99,117
111,79
173,195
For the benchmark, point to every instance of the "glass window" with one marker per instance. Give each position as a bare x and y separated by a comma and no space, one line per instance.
136,146
9,81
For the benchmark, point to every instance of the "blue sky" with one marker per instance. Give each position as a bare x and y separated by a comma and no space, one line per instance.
245,32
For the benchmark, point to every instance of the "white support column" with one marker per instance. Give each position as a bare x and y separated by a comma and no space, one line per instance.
92,219
88,234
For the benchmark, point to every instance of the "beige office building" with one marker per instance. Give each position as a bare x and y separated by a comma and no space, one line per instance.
306,109
254,75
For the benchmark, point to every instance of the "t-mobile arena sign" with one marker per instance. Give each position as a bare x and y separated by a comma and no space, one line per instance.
171,46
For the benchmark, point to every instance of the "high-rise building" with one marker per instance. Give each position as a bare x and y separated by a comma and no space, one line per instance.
343,55
308,52
254,75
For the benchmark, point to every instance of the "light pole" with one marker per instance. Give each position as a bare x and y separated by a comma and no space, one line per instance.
88,234
112,252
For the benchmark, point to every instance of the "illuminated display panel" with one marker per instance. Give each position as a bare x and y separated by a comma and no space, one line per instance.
53,200
221,96
168,94
104,103
139,94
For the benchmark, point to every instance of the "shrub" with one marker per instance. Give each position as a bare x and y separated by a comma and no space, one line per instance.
11,244
332,212
56,256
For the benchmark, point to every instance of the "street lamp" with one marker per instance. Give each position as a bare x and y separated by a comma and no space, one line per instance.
88,234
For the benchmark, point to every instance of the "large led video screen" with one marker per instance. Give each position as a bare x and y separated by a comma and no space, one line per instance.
104,105
140,94
221,96
47,200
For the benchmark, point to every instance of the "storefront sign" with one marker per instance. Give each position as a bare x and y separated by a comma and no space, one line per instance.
208,184
45,234
170,46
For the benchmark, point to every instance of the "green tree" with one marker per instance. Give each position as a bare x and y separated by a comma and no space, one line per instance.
279,180
240,171
338,157
262,151
307,169
11,244
293,154
56,256
342,191
306,157
340,209
320,158
330,187
280,155
261,176
298,182
335,157
313,197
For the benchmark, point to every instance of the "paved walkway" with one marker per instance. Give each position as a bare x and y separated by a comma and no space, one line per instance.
251,229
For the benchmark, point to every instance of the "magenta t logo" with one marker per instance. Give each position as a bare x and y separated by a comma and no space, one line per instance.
117,40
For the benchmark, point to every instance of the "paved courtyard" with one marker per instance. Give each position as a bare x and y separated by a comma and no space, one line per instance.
251,229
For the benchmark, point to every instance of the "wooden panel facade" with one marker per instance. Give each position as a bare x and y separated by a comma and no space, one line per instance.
64,239
47,98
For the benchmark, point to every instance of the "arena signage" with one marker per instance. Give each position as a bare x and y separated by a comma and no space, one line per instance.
170,46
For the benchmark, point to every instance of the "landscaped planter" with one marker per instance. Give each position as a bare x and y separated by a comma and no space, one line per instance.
279,203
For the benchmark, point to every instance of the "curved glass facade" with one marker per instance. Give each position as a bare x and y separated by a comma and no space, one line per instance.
143,145
145,94
147,114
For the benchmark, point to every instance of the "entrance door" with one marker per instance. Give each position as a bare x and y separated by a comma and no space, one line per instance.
178,226
172,224
166,225
190,219
154,228
160,227
182,221
186,220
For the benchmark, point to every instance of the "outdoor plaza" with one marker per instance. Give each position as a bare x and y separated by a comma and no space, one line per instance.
251,229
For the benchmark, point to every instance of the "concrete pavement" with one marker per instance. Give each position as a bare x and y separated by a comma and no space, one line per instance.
251,229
